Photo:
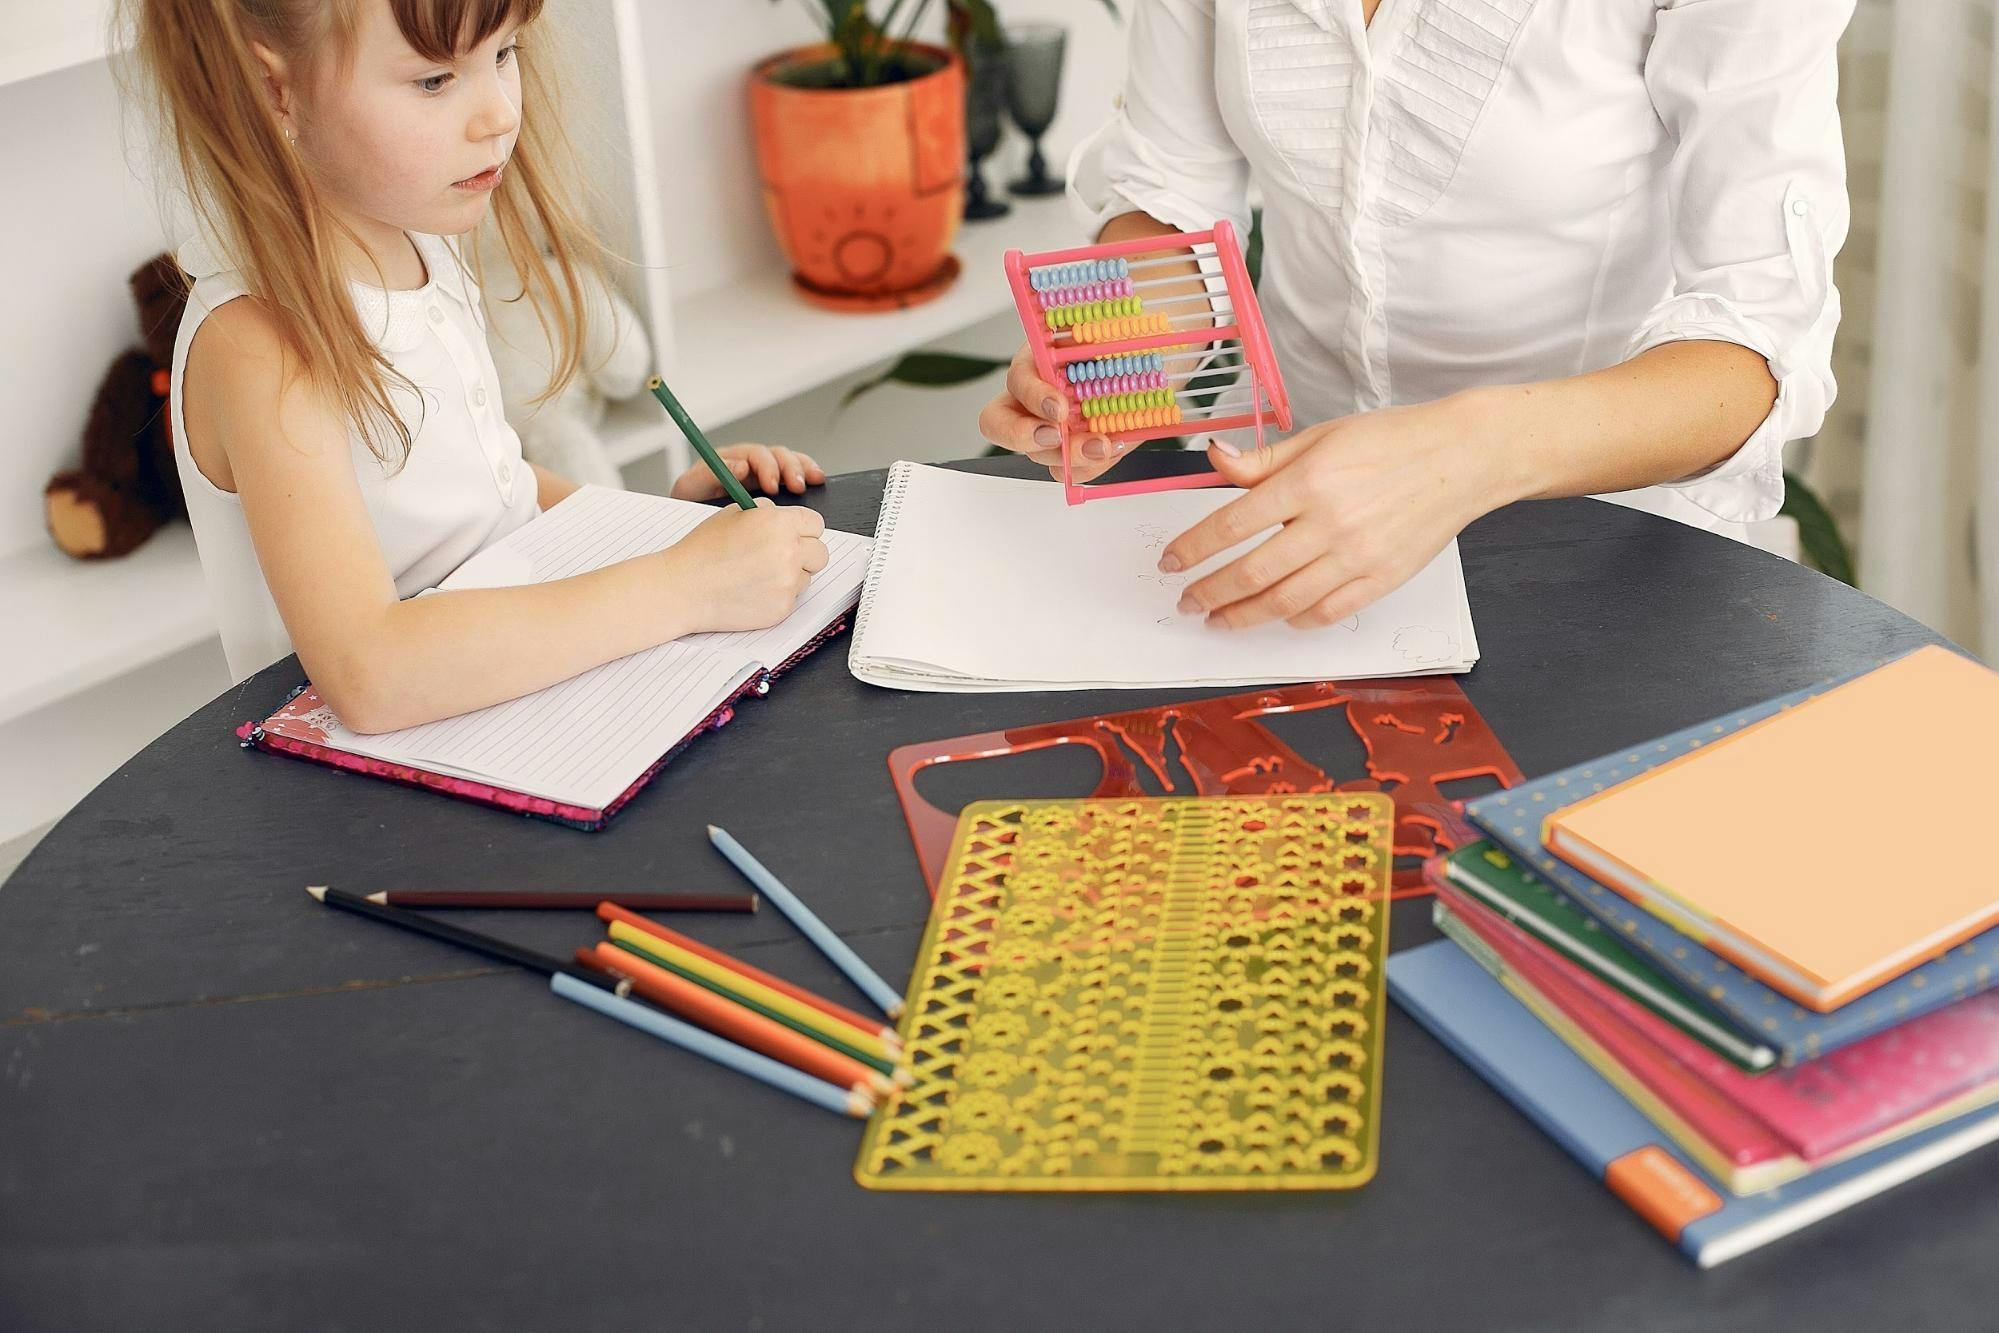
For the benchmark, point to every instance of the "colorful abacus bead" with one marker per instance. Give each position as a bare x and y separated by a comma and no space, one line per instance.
1093,311
1106,367
1089,291
1111,330
1053,276
1143,419
1117,403
1148,379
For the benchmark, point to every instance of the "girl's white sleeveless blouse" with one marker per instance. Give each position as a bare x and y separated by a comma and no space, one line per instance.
463,485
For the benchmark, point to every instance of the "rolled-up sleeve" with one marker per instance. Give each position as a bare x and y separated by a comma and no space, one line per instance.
1166,150
1757,187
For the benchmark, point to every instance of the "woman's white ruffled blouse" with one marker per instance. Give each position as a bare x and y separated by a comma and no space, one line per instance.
1471,192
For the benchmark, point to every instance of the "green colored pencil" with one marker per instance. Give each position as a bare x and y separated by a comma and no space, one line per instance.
873,1061
694,436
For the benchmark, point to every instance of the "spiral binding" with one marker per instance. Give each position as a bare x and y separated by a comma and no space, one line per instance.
891,513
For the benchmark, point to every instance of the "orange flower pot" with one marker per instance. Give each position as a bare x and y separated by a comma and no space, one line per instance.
864,186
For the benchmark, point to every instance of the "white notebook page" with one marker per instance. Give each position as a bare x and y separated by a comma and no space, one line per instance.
993,583
587,739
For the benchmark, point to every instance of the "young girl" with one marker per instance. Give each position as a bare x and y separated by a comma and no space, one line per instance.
336,415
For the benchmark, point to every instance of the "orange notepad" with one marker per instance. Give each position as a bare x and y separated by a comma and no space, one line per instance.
1820,849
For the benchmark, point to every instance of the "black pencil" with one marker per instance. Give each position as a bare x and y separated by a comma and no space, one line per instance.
585,901
506,952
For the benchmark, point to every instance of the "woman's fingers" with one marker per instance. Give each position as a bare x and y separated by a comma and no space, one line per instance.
1294,595
1252,572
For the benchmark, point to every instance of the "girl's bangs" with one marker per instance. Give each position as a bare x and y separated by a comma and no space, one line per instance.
442,30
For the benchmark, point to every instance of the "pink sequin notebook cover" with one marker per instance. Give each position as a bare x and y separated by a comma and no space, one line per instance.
1820,1107
295,730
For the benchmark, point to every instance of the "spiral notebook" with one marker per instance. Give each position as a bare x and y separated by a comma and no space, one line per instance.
990,583
578,750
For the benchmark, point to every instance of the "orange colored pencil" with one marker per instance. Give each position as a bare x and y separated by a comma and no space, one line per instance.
612,912
728,1019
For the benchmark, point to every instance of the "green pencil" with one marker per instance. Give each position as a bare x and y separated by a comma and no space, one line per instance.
694,436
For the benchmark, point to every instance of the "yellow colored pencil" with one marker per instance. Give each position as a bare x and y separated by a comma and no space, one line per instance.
737,984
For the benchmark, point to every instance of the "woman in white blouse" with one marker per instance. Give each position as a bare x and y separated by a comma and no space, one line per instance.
1512,249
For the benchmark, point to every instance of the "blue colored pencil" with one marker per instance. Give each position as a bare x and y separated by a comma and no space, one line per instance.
801,916
630,1012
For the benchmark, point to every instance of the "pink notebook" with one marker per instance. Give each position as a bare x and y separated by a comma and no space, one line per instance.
579,750
1860,1096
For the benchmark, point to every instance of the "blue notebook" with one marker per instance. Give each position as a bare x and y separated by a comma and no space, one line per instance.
1513,819
1481,1022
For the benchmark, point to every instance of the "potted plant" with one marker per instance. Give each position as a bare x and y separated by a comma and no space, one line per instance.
861,150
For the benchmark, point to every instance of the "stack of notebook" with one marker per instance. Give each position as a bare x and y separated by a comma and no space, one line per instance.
1748,963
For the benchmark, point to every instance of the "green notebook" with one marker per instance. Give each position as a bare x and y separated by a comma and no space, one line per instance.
1488,874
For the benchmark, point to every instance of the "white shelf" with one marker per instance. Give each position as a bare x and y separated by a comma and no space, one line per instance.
744,347
83,622
44,36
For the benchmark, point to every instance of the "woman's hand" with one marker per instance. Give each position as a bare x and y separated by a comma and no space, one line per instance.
1023,416
1363,503
773,467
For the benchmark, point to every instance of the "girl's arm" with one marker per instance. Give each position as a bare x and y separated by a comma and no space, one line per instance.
383,663
551,490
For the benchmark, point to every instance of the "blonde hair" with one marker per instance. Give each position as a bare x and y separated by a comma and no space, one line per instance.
254,197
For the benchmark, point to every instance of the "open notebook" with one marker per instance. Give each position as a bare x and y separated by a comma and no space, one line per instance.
987,583
578,750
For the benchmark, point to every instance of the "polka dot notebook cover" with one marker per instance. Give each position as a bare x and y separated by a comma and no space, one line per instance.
1514,819
1179,994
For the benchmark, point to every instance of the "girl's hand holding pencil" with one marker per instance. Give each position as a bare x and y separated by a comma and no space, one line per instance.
744,568
774,467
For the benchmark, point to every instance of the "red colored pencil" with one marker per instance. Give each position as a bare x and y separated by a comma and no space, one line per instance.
588,900
611,911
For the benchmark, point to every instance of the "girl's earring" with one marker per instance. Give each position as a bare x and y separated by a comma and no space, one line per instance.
290,137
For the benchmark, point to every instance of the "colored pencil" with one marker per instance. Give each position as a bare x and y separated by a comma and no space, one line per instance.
726,1018
730,486
637,902
801,916
844,1101
843,1040
735,984
612,912
463,938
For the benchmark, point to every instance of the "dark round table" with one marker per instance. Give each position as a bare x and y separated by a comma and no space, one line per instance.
224,1107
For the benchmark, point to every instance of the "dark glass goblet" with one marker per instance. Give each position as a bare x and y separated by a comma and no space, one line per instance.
985,92
1034,60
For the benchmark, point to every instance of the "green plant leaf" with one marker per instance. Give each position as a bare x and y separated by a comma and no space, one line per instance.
1817,533
928,370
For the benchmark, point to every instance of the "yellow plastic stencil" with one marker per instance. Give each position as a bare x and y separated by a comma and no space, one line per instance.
1180,994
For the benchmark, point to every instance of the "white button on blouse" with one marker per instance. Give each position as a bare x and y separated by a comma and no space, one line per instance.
1473,192
453,495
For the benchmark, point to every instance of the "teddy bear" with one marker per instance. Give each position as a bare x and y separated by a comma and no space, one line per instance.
561,434
127,486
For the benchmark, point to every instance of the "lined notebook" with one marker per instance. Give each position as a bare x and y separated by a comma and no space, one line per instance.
1498,1037
989,583
1791,841
577,750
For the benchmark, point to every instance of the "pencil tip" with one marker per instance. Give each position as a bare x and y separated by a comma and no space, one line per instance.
654,382
318,892
712,830
380,896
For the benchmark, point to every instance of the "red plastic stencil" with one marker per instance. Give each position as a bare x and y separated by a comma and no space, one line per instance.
1419,732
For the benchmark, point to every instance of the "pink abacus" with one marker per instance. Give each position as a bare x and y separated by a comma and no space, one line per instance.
1127,359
